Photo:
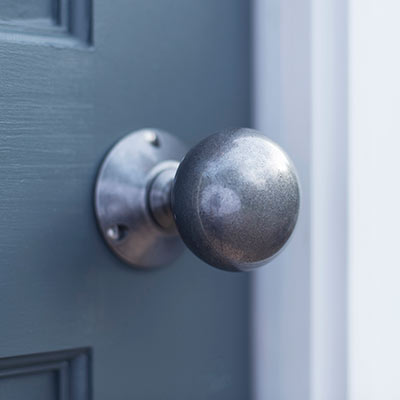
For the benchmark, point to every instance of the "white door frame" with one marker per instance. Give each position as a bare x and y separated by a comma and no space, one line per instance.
299,302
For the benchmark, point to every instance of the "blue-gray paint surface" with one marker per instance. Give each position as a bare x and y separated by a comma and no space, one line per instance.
179,332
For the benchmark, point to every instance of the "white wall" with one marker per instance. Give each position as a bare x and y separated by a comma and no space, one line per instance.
374,200
329,224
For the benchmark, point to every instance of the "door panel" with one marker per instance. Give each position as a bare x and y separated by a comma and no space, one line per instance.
63,375
174,333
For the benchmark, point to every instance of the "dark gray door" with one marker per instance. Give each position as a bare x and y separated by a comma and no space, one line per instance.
74,78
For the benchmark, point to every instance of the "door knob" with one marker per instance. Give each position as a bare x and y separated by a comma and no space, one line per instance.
233,199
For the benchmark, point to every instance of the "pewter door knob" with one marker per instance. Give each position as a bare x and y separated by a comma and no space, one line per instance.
233,199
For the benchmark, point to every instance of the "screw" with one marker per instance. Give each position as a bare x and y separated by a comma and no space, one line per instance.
152,138
113,232
117,232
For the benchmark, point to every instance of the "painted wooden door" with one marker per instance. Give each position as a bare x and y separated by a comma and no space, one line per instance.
75,322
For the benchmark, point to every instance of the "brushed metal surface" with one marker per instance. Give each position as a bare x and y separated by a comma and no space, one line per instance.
121,198
236,199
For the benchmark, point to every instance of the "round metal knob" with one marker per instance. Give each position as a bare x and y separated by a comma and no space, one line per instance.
234,199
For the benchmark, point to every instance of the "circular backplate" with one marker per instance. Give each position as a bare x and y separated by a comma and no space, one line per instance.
121,198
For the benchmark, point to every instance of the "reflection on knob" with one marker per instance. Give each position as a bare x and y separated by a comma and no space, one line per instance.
234,199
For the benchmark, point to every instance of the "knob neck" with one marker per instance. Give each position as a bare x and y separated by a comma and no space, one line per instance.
159,199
